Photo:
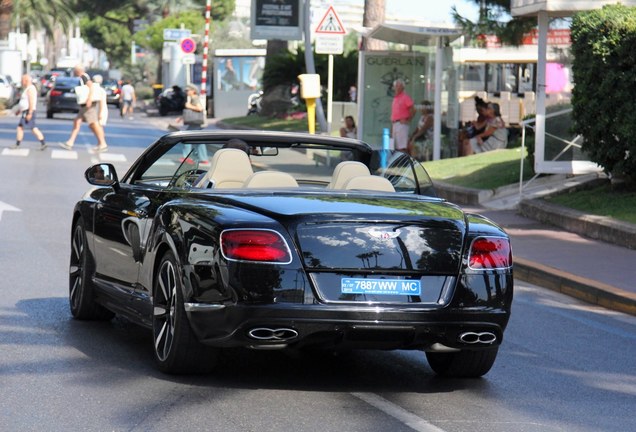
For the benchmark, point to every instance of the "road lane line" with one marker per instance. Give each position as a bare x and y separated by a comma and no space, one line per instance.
397,412
112,157
7,207
63,154
15,152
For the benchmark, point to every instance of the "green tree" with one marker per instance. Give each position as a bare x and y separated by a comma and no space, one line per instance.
152,37
219,10
110,36
494,18
604,67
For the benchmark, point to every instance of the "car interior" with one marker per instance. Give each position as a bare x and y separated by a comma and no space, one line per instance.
197,165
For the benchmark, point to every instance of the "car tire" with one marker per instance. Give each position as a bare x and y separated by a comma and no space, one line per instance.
462,364
176,348
49,114
81,287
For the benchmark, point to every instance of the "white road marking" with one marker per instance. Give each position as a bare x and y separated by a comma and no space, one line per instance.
7,207
397,412
15,152
112,157
63,154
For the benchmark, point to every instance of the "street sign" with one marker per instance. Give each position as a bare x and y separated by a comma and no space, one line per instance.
329,44
330,23
188,45
176,34
188,59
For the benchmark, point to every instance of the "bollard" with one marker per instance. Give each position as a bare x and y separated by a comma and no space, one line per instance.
386,140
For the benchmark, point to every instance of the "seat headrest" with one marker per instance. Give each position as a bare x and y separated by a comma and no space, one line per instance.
270,179
346,170
229,169
369,182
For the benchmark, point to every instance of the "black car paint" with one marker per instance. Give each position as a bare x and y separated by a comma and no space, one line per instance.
247,295
66,101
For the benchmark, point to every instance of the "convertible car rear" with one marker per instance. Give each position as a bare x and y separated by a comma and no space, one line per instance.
288,241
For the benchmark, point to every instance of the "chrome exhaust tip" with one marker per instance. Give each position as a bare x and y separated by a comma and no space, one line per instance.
272,334
472,338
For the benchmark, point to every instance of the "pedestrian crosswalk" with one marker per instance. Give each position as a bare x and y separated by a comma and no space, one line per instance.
65,154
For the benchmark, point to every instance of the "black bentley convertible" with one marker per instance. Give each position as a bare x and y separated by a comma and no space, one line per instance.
288,241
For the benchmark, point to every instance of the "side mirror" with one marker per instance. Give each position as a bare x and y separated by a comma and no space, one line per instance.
103,174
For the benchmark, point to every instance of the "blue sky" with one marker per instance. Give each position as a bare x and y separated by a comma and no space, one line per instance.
433,10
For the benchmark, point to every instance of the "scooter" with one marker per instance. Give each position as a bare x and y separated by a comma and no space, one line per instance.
254,102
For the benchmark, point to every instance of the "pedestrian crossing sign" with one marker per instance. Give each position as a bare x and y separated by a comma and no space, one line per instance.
330,23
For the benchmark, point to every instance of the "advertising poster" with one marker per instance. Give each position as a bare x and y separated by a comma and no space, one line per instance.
378,72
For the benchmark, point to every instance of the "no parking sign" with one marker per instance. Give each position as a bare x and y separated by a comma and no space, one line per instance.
188,45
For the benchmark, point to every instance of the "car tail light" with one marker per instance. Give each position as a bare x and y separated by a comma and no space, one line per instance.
56,93
255,245
117,91
487,253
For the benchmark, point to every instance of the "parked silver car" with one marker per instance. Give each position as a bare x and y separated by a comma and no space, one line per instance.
8,91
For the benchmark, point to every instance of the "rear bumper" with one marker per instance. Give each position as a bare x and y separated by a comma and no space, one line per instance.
342,327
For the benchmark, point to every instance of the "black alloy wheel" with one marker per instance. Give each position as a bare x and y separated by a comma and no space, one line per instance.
176,348
81,287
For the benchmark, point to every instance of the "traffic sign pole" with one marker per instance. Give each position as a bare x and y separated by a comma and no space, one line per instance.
329,40
330,94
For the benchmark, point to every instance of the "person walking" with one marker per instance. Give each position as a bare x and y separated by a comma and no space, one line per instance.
402,111
87,113
27,107
99,99
129,98
192,119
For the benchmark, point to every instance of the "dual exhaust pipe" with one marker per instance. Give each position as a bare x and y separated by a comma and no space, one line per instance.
473,338
282,334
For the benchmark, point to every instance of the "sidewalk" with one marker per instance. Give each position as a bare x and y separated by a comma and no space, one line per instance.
589,257
590,270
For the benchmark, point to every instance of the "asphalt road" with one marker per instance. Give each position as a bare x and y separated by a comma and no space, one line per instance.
564,366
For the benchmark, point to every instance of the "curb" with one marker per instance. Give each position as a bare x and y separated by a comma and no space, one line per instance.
597,227
593,292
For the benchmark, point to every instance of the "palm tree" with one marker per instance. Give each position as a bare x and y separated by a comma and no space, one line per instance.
34,14
374,11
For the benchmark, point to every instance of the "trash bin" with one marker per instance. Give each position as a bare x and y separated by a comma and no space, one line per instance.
157,89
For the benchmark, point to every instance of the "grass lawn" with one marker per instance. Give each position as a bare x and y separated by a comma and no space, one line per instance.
271,124
601,201
482,171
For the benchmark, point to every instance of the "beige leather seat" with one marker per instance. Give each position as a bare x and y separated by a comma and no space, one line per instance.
270,179
369,182
229,169
346,170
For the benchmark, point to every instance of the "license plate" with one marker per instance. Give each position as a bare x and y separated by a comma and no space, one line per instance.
69,95
380,286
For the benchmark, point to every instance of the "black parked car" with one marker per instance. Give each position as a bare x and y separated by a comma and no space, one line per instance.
61,97
308,242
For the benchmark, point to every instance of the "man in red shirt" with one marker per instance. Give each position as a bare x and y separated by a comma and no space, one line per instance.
402,111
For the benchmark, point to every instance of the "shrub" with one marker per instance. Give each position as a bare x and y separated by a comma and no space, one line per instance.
604,67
